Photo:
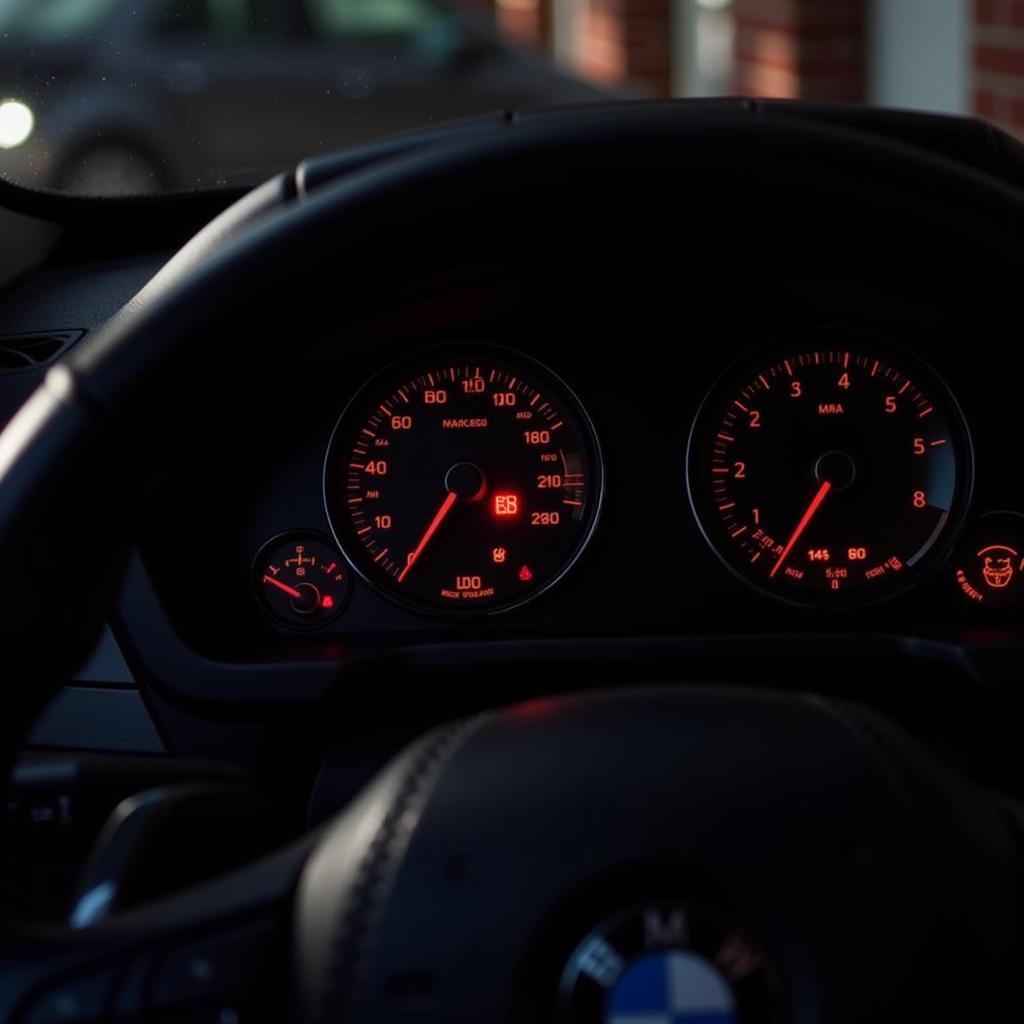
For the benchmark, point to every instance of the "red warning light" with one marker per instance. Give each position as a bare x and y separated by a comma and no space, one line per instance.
525,574
506,504
1000,563
327,602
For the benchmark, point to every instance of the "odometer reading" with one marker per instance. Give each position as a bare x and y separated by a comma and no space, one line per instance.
830,475
469,482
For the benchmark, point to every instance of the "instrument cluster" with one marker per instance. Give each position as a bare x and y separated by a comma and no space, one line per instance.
490,460
830,469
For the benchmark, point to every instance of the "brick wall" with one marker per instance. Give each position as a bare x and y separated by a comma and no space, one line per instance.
525,21
811,49
621,40
998,62
628,40
807,49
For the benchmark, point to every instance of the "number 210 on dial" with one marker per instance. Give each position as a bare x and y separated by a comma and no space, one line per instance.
465,482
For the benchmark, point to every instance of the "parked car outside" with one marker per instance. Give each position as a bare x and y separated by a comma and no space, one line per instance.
102,96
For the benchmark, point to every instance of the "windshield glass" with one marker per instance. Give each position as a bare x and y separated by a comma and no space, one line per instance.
42,21
130,96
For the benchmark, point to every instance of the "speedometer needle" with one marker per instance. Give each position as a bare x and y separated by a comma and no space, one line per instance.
439,516
801,526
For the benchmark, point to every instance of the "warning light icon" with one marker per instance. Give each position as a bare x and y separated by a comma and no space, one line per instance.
525,574
991,571
998,566
499,555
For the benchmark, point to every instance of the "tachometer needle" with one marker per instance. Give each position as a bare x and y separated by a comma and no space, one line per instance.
445,508
290,591
802,525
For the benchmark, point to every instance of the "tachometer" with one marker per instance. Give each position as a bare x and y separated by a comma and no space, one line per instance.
831,474
465,481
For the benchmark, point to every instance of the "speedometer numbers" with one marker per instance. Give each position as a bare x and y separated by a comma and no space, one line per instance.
832,475
467,482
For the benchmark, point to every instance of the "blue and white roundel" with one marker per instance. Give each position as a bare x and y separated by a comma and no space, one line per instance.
670,987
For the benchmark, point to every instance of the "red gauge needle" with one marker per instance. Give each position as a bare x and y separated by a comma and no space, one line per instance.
802,525
290,591
439,516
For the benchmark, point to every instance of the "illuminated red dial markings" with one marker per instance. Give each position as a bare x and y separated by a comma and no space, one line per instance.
435,523
299,582
890,442
520,476
805,521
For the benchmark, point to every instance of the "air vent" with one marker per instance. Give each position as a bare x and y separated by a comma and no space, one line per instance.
32,351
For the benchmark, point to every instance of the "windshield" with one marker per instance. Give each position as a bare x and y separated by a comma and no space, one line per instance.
130,96
48,20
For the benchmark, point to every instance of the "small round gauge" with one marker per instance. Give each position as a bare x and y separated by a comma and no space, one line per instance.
830,475
463,481
989,565
301,580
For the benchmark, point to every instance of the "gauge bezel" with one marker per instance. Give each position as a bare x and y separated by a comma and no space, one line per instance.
995,613
900,356
256,572
410,362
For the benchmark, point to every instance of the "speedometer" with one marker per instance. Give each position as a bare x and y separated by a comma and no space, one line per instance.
464,481
831,472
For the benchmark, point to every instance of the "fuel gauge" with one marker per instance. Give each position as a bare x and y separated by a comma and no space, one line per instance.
301,580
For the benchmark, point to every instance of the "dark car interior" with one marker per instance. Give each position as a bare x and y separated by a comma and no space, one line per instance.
464,579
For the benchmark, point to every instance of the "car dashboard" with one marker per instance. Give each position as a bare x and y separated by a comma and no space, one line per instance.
739,455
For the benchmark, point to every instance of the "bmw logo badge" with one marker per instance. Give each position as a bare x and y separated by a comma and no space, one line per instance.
670,964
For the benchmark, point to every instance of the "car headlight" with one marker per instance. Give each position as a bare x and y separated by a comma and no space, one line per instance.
16,123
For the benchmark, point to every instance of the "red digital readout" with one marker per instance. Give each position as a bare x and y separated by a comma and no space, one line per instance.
506,504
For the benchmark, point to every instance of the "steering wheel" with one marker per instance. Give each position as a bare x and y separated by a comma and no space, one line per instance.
662,853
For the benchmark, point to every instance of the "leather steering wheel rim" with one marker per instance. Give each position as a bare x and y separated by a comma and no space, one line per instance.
73,461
